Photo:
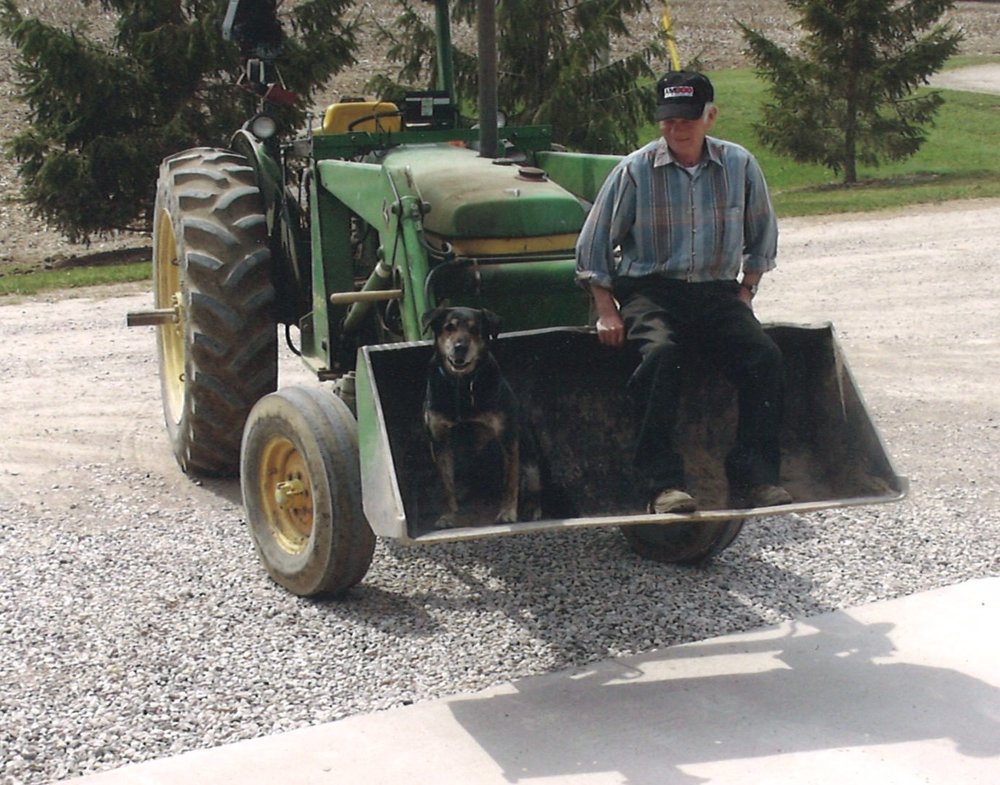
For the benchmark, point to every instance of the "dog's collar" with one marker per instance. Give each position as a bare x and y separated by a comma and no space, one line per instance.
464,386
461,380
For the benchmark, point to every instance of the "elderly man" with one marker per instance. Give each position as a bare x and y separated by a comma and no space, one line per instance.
672,253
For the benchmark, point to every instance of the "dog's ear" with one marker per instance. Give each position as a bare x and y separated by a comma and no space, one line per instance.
432,320
491,323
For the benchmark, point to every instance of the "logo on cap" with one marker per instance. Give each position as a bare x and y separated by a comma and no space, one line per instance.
678,92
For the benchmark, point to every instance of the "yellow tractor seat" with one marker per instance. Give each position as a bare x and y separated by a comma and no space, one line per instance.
362,117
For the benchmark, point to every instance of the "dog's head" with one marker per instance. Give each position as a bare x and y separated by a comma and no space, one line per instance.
461,336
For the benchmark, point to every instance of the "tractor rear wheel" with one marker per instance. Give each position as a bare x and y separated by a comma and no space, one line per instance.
682,543
212,268
301,482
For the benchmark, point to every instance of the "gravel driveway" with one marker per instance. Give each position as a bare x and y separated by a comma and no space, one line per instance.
137,623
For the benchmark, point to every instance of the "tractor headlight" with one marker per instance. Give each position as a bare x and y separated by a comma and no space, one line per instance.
263,126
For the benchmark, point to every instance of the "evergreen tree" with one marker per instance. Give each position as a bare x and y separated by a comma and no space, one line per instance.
553,64
102,116
850,96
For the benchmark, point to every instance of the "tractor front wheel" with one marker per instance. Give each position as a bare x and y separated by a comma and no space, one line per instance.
212,268
301,484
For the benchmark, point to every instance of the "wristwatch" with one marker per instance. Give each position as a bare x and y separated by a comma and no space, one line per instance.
750,287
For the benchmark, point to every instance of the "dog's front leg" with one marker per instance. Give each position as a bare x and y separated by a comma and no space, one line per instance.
445,460
511,481
439,431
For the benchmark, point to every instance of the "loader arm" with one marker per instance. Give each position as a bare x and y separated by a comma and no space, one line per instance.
390,203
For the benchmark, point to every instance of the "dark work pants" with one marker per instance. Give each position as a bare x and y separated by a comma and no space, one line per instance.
663,316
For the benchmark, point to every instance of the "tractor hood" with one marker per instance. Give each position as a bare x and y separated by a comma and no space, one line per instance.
474,199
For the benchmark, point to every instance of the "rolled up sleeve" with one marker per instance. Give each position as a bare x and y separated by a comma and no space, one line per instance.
609,219
760,231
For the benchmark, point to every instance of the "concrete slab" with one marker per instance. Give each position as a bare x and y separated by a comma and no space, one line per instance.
906,691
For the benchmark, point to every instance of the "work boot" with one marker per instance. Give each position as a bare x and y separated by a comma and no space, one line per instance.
760,496
672,500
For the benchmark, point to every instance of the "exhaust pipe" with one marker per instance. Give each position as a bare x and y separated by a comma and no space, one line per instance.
487,35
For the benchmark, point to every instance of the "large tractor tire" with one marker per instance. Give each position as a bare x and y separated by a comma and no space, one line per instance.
212,267
301,482
682,543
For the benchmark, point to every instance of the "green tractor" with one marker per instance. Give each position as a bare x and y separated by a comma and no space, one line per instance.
346,236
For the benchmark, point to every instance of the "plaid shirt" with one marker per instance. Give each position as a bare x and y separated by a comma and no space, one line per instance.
694,227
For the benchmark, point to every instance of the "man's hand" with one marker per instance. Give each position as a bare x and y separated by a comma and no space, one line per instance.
610,327
748,288
611,330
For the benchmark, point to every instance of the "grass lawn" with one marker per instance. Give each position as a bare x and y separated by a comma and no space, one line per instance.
958,160
16,282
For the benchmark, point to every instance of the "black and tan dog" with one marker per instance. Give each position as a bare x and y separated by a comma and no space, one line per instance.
469,405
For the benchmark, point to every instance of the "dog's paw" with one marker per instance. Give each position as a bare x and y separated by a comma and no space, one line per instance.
533,514
447,521
507,515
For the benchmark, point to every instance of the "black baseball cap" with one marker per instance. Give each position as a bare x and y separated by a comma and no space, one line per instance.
682,94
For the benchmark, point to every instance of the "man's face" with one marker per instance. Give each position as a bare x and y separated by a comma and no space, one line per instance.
687,137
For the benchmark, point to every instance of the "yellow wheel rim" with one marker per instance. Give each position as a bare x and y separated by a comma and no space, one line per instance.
167,286
286,494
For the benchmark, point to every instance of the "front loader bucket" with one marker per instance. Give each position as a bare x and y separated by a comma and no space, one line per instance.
572,392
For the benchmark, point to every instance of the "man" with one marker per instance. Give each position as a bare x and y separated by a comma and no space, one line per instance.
690,220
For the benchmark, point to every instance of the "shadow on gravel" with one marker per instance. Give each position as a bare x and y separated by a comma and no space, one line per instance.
580,596
229,490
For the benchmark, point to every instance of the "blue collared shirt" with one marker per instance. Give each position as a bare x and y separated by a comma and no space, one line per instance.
703,225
